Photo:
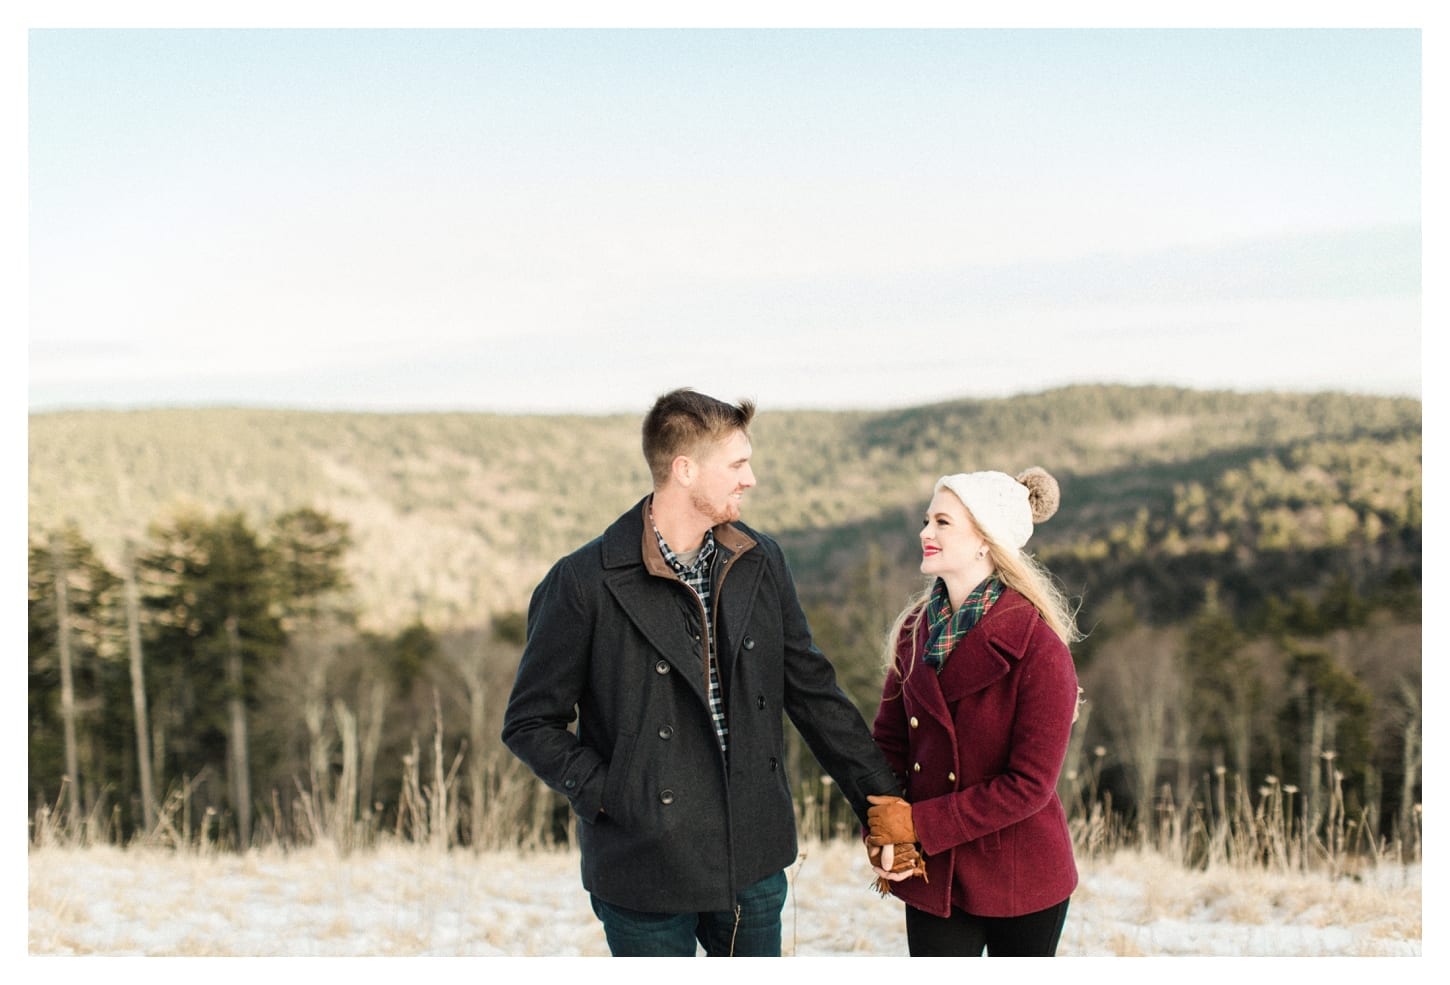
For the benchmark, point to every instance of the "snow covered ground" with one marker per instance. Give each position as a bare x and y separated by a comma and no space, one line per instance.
408,901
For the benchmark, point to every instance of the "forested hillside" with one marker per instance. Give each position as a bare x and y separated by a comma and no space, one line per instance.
455,516
326,606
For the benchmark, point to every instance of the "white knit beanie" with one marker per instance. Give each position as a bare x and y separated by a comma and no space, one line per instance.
1005,508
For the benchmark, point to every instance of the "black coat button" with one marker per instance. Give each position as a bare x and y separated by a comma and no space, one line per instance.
749,643
570,783
666,731
667,797
662,667
760,701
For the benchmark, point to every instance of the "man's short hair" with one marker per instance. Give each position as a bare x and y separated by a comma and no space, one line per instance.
682,421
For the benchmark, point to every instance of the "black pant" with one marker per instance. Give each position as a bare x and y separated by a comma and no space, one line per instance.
961,935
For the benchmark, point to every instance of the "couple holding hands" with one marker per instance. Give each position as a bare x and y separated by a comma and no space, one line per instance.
662,657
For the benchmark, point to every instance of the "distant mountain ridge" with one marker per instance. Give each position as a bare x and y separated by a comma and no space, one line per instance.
456,515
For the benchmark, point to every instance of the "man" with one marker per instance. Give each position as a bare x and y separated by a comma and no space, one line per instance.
677,638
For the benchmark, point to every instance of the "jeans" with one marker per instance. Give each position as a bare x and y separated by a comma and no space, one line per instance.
752,930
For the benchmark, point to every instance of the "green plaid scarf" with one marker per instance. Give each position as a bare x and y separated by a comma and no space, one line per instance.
947,627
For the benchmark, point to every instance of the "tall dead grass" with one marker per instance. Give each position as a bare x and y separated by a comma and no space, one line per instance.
1268,829
504,808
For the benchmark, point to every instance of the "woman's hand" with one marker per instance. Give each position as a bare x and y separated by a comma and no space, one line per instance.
895,863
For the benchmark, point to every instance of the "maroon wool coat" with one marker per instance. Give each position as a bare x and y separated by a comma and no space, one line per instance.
980,748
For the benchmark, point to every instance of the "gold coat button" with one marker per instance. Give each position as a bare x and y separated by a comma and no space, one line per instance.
914,722
952,777
916,767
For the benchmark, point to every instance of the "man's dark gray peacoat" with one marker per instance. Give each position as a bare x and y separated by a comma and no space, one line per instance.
666,823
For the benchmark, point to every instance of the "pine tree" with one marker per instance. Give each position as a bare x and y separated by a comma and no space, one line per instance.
210,593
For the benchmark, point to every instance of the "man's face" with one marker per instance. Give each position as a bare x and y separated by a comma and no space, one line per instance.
722,474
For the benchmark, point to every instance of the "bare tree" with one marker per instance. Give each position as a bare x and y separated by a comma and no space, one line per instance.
1414,751
238,757
138,689
67,675
1138,688
465,654
479,662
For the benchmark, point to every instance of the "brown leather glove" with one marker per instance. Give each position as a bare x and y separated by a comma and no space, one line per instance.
907,860
888,822
906,857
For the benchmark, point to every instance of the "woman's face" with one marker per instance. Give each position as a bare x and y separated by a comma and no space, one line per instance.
950,541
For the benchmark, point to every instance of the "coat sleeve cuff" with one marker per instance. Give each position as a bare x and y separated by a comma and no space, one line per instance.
583,786
937,826
880,783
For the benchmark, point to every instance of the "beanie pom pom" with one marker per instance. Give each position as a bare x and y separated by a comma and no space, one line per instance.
1043,495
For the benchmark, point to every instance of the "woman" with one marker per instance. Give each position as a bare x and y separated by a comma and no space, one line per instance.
979,698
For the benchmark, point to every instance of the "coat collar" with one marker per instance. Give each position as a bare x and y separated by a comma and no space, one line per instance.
982,657
632,563
630,541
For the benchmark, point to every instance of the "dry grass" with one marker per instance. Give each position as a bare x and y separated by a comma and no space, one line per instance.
1144,903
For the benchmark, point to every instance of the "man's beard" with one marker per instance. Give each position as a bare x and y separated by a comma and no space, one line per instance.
717,514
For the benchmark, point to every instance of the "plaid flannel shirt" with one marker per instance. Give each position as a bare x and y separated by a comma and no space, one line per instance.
698,577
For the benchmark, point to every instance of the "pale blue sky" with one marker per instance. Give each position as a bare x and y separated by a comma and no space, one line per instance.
561,220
